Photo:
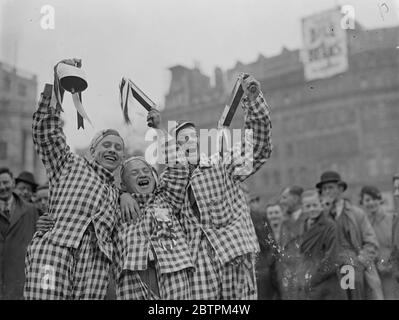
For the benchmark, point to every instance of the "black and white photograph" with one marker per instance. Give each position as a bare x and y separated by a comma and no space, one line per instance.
213,151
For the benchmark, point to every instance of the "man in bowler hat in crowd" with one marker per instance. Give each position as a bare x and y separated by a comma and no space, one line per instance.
357,241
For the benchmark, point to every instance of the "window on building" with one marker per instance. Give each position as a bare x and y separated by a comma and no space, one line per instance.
5,103
372,167
303,175
22,89
7,83
275,151
386,165
3,150
289,149
291,176
277,178
266,178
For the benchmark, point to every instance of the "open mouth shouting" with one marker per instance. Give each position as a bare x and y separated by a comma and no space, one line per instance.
143,182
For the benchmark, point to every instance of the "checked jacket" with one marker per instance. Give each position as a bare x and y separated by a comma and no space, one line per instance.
224,214
81,191
158,231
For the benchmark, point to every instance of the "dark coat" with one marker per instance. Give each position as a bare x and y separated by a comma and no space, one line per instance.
289,268
319,249
356,236
15,236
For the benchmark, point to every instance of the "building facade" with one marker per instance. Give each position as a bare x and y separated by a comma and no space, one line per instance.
348,122
18,96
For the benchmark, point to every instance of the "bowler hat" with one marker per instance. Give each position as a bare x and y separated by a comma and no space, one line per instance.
28,178
331,176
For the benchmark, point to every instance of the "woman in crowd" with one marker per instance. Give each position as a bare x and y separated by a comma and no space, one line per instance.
381,221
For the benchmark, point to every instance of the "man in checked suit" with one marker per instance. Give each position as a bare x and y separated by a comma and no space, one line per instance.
215,215
72,260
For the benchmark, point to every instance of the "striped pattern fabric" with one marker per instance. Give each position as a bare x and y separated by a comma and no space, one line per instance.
56,272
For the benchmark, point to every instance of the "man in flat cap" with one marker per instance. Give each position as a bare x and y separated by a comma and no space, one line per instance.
358,244
72,260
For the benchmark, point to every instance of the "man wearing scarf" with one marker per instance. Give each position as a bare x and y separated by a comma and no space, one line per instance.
358,245
318,248
72,260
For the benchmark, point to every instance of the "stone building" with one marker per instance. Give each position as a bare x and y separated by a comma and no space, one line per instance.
18,98
348,122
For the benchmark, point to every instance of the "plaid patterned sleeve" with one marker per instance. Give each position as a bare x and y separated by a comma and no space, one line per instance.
247,157
49,138
172,185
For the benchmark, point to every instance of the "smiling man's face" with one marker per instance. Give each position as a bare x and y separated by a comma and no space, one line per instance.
6,186
138,177
109,152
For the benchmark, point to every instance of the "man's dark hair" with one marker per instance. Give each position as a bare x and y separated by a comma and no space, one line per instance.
296,191
6,170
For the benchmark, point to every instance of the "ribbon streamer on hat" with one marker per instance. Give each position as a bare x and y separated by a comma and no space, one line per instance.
72,79
128,88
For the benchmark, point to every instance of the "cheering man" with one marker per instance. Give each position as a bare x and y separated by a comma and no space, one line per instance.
72,260
215,215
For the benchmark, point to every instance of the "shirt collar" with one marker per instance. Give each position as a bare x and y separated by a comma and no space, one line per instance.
296,214
104,174
339,207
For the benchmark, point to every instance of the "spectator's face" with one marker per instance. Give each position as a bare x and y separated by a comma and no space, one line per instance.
370,204
41,200
288,201
6,186
331,190
274,214
311,206
25,190
109,152
187,141
138,178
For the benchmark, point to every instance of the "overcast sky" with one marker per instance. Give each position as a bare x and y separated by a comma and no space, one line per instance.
141,39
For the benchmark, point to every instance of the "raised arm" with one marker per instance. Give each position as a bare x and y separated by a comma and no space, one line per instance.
247,157
172,186
49,138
